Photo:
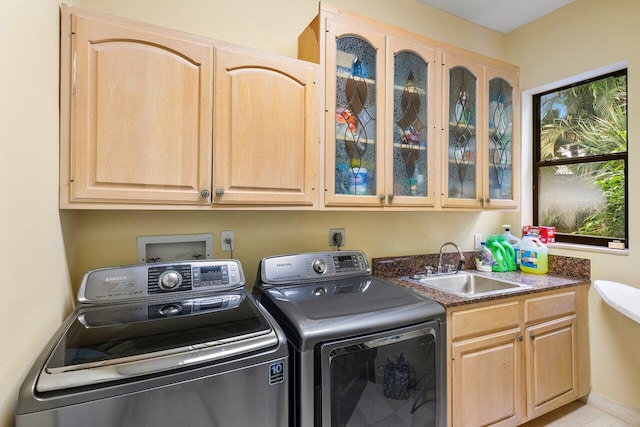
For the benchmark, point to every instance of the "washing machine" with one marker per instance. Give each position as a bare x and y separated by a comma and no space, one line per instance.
161,345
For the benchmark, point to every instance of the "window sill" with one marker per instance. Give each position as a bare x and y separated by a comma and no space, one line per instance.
588,248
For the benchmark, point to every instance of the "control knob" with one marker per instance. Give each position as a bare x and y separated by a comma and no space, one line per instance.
319,266
170,280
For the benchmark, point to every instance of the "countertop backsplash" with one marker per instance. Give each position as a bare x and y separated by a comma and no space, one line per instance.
389,267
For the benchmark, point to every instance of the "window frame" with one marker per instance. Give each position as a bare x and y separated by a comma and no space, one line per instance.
537,164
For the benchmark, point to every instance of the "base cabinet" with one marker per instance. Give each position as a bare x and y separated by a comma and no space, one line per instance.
514,360
486,380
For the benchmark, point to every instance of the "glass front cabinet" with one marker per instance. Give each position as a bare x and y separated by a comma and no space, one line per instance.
479,135
380,119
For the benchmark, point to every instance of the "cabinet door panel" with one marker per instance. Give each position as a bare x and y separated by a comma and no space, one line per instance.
551,368
354,174
266,134
502,180
410,152
486,380
464,127
141,115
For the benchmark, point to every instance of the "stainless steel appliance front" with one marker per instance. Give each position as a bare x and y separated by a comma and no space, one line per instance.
162,345
364,351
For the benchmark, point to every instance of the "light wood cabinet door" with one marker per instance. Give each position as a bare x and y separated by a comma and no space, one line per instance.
136,114
354,117
266,140
551,365
501,169
486,380
481,110
463,130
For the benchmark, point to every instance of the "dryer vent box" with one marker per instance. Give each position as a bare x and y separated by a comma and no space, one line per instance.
179,247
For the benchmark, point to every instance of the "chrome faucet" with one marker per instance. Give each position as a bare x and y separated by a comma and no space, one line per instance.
461,262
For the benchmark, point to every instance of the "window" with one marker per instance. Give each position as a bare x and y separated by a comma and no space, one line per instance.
580,160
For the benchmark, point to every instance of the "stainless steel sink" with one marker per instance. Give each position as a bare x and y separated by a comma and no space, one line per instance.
468,285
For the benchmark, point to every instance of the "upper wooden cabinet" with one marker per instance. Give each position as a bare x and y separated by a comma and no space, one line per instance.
379,122
410,122
141,128
266,139
136,112
480,162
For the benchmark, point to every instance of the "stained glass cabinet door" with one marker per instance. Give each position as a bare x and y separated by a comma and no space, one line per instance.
463,130
354,173
410,124
502,181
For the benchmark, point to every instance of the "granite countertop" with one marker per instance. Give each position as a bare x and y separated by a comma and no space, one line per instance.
538,283
563,272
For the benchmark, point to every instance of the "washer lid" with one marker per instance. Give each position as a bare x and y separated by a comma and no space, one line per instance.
322,311
115,342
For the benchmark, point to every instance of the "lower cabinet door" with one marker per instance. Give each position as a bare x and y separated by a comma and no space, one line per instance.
551,367
486,384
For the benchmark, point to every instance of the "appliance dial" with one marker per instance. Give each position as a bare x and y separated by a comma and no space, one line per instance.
170,280
170,310
319,266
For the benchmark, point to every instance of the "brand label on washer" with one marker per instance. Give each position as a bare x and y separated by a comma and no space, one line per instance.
276,373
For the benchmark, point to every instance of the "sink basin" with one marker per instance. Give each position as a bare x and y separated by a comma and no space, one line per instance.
468,285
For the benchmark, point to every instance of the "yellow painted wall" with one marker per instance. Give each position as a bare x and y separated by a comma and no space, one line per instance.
44,252
583,36
52,249
34,291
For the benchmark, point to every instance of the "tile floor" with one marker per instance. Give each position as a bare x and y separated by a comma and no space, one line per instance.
578,414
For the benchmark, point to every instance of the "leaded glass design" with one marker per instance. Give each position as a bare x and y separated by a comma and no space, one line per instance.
410,125
355,117
500,139
462,134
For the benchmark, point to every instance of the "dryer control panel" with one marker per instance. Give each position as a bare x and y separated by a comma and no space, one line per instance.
133,282
313,266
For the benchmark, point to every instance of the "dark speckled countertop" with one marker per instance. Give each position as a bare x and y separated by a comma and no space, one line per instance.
563,272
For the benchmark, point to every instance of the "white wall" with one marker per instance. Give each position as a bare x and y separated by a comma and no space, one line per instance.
584,36
35,291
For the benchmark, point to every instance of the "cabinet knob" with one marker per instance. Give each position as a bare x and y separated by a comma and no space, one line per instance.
219,192
520,338
205,194
381,197
533,337
390,197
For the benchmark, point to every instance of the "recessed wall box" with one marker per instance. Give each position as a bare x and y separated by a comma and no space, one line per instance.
178,247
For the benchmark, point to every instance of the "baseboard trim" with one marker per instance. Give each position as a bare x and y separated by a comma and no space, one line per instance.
622,412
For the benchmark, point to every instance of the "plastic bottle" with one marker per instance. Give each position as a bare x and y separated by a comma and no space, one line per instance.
515,242
499,254
510,253
533,256
484,258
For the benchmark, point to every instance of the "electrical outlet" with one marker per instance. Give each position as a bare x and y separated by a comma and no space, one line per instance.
337,237
227,241
477,240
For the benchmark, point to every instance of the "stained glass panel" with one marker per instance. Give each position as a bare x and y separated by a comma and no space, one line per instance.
500,139
410,125
462,134
355,117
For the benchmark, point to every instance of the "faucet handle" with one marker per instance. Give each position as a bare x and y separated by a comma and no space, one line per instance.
448,267
429,270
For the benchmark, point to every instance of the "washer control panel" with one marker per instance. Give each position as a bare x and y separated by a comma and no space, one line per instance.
132,282
313,266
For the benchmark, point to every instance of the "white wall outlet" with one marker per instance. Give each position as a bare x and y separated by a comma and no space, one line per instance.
227,241
477,240
337,237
